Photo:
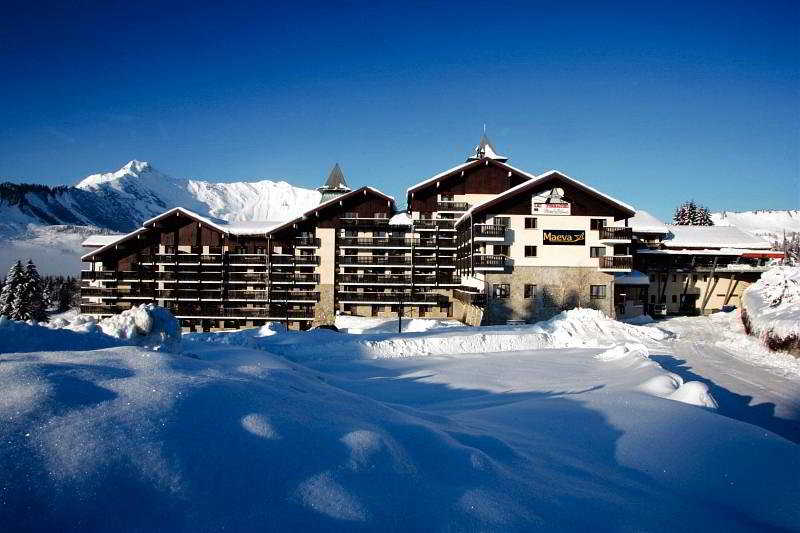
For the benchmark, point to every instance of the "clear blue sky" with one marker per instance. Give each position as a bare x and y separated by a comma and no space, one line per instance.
651,102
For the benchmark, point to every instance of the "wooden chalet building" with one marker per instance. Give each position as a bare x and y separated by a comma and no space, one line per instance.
482,242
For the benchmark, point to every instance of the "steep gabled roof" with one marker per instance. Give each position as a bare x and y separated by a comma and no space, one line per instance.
336,179
329,203
230,228
536,180
485,148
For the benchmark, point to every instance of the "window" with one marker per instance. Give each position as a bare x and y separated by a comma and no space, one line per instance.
351,233
502,221
530,251
350,215
597,292
674,298
652,277
597,223
501,290
530,291
501,249
597,251
530,223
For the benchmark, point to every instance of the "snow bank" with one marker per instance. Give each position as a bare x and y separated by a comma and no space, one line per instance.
569,329
771,308
147,325
358,325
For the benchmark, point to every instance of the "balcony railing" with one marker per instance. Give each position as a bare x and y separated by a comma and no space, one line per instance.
389,297
374,278
428,223
610,233
99,274
306,241
274,295
289,277
373,260
452,206
275,311
485,230
295,259
489,260
364,222
377,241
623,262
101,309
248,259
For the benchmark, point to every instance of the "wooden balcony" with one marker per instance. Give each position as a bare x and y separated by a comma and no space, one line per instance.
610,233
616,263
458,207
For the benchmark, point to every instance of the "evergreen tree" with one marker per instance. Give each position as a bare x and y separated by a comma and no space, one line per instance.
13,282
33,294
691,214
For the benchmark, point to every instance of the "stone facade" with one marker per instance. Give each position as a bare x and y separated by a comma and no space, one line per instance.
556,289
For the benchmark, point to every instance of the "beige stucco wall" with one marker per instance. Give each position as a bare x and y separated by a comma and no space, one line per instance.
548,254
699,287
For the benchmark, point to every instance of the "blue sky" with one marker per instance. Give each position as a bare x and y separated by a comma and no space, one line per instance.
653,103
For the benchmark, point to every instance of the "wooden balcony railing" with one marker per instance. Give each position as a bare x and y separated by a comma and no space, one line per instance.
452,206
616,262
609,233
485,230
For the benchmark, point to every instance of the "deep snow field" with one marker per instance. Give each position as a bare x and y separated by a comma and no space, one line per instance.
579,423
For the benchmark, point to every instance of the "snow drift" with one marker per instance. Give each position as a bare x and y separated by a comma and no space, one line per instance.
126,439
147,325
771,309
569,329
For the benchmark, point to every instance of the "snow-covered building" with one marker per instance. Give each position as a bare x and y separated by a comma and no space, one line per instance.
700,269
483,242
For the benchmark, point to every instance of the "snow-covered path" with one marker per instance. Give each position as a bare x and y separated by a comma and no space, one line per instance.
749,382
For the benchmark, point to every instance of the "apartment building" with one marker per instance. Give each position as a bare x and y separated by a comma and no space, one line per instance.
482,242
701,269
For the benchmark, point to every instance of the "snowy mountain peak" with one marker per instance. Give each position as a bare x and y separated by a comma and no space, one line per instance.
132,169
135,166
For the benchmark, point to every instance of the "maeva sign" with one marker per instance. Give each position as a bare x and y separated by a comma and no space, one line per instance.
563,236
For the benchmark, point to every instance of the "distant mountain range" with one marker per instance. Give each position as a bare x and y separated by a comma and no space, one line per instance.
47,224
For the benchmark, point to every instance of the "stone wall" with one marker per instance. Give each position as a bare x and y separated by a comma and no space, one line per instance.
324,310
557,289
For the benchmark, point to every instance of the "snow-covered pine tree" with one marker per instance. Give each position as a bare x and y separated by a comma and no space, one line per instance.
14,279
33,294
691,214
701,216
685,213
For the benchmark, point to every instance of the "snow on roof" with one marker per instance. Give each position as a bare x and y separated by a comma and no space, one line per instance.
533,181
644,222
100,240
400,219
712,237
634,277
711,251
251,227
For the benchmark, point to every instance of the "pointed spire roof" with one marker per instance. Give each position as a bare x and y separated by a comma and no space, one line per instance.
336,179
485,148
